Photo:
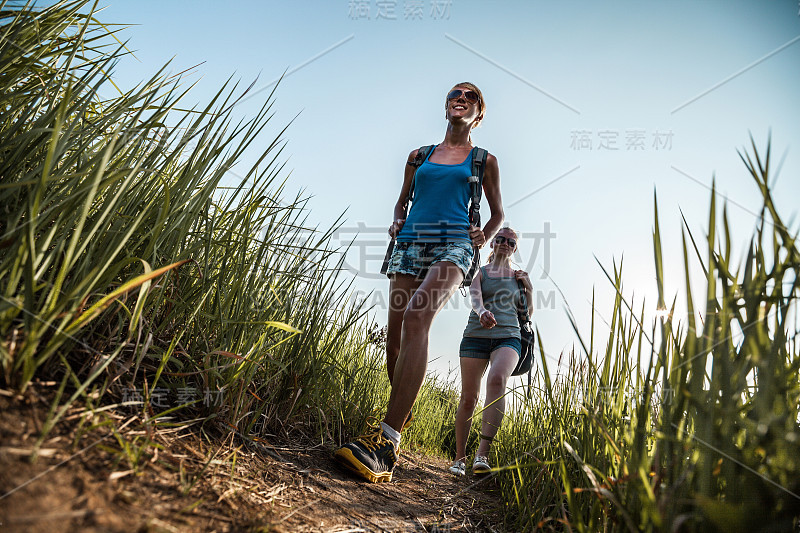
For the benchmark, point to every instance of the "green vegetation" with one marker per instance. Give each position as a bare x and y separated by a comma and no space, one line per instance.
129,275
699,432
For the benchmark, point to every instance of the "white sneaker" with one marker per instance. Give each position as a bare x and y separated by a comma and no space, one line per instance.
481,465
458,468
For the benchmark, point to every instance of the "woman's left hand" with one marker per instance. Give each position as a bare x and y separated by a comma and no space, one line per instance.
477,236
522,276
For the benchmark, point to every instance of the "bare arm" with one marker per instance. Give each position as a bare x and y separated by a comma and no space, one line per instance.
485,316
399,217
491,188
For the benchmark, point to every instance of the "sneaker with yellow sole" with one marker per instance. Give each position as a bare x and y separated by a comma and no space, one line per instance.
409,419
371,456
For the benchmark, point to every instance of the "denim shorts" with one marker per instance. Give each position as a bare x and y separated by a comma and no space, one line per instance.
417,258
481,348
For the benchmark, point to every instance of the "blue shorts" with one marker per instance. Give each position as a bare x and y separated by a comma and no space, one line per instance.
417,258
481,348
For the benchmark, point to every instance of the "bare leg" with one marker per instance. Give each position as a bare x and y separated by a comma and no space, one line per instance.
409,372
401,288
472,370
502,363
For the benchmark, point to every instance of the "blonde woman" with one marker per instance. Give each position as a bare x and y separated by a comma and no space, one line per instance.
491,339
433,254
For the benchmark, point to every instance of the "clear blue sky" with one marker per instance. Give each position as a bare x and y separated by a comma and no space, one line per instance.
674,86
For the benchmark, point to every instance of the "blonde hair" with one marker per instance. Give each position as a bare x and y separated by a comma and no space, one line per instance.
504,228
481,101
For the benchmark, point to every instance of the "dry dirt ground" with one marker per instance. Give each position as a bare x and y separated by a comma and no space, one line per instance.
111,472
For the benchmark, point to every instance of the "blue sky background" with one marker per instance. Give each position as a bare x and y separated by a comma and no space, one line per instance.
558,77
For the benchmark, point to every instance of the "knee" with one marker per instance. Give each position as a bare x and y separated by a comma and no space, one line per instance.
496,381
415,319
468,403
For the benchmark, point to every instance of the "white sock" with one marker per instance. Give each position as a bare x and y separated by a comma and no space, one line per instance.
392,434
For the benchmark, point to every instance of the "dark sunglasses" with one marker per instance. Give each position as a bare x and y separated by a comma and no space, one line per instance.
470,96
500,240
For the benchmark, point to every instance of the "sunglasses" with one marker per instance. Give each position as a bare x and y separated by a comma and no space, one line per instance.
500,240
470,96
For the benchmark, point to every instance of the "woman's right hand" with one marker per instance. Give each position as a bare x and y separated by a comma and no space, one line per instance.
477,236
396,226
487,319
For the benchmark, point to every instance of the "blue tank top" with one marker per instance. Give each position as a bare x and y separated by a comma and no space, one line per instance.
440,210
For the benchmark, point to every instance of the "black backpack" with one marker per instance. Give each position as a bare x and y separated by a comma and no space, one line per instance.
526,336
479,156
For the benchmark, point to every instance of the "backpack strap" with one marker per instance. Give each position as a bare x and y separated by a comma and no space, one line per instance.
524,317
479,156
523,313
422,155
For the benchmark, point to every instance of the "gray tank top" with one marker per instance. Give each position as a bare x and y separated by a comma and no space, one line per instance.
501,297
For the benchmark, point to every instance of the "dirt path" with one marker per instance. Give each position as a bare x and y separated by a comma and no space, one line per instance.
178,480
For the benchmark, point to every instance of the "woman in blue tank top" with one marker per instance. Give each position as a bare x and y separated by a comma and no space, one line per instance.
491,339
434,251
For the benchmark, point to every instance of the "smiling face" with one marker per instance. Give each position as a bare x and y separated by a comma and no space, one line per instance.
505,248
465,104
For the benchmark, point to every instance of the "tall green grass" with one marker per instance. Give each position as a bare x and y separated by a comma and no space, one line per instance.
130,275
680,425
